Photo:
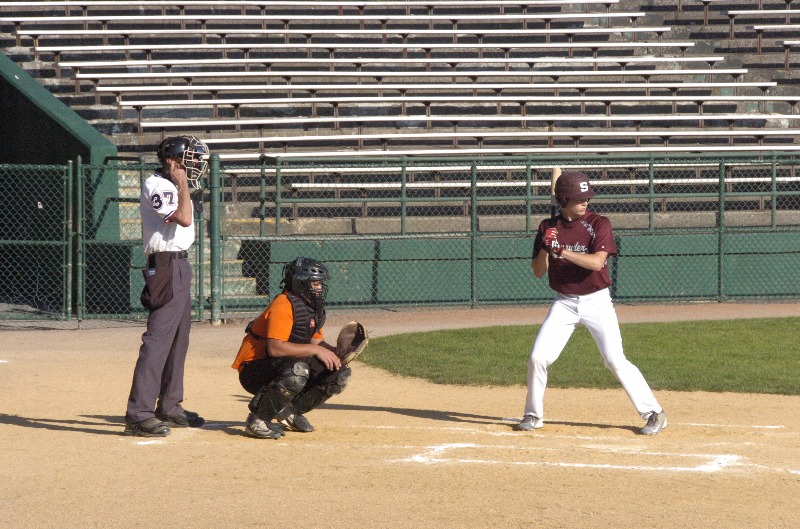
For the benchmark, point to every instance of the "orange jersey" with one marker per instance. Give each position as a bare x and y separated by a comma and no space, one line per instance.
275,322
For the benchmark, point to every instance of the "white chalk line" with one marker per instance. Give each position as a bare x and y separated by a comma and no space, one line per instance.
436,454
691,424
755,426
712,463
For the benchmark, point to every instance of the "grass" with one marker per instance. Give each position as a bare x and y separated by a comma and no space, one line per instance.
745,356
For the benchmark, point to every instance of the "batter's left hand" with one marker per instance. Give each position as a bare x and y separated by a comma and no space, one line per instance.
550,241
550,237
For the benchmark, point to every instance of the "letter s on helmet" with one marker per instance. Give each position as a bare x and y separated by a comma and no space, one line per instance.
573,186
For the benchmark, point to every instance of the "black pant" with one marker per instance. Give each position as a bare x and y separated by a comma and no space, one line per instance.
158,375
259,373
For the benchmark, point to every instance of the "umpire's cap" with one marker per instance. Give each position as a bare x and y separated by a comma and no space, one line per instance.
573,186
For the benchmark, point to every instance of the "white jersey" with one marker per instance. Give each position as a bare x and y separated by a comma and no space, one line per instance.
158,203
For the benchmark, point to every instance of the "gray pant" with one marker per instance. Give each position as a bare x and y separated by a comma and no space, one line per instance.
158,375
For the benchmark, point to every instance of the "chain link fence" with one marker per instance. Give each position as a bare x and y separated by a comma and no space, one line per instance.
110,254
460,231
404,232
35,242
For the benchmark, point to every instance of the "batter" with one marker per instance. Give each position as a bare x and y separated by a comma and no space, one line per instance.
573,250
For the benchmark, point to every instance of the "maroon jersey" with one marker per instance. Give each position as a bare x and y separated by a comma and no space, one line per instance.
589,234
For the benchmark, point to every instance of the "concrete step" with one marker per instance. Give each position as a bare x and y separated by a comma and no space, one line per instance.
243,286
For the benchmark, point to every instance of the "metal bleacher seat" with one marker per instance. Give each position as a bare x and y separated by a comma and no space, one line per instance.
286,19
357,63
488,68
307,107
786,14
502,151
263,5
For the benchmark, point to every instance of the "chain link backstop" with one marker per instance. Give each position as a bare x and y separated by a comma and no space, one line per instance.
402,232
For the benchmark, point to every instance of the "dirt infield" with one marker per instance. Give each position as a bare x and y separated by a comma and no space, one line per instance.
390,452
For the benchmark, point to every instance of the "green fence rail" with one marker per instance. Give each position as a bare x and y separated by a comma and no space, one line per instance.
403,232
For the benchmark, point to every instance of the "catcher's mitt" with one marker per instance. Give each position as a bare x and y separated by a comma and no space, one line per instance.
351,342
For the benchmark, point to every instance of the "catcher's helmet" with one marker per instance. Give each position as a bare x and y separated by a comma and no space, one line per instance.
573,186
190,151
298,275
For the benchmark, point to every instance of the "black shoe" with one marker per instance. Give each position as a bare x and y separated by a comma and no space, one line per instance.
298,423
187,419
151,427
262,429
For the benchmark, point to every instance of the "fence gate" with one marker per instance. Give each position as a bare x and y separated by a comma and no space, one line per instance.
36,251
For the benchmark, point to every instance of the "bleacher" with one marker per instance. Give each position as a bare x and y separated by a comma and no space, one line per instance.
393,76
270,80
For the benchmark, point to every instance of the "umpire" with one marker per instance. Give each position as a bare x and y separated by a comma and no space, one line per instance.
154,404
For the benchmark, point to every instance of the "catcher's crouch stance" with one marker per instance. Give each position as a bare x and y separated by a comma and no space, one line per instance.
284,360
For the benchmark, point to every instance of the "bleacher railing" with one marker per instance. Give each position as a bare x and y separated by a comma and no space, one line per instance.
402,231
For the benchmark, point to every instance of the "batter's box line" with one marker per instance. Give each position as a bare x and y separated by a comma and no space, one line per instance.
475,431
753,426
714,462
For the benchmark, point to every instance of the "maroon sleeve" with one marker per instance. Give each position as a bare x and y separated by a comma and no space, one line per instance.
537,240
603,237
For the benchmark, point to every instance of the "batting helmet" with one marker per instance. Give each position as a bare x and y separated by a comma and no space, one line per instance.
573,186
191,153
298,276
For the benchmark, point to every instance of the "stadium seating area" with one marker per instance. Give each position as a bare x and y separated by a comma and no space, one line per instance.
420,77
380,78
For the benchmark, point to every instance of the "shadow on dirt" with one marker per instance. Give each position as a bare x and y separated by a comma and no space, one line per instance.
453,416
437,415
100,426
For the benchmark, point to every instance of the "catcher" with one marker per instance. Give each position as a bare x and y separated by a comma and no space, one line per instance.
284,361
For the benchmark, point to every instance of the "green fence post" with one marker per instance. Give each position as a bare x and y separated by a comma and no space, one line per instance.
473,236
721,235
651,213
278,200
403,196
67,255
528,193
200,252
774,192
262,200
80,241
215,239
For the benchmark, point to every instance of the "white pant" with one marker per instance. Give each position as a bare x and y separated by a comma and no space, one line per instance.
596,312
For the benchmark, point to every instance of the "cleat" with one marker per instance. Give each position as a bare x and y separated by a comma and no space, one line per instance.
528,423
298,423
186,419
262,429
151,427
656,422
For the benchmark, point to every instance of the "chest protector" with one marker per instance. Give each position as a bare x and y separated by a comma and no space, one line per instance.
303,315
306,321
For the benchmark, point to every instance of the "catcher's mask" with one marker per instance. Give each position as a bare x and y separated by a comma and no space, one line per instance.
298,276
192,153
573,186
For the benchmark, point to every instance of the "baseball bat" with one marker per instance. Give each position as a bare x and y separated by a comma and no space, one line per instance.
553,202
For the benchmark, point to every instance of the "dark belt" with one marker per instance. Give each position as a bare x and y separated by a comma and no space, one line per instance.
178,254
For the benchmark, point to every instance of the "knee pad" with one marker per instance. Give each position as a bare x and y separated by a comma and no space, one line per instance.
331,385
336,386
294,378
271,399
